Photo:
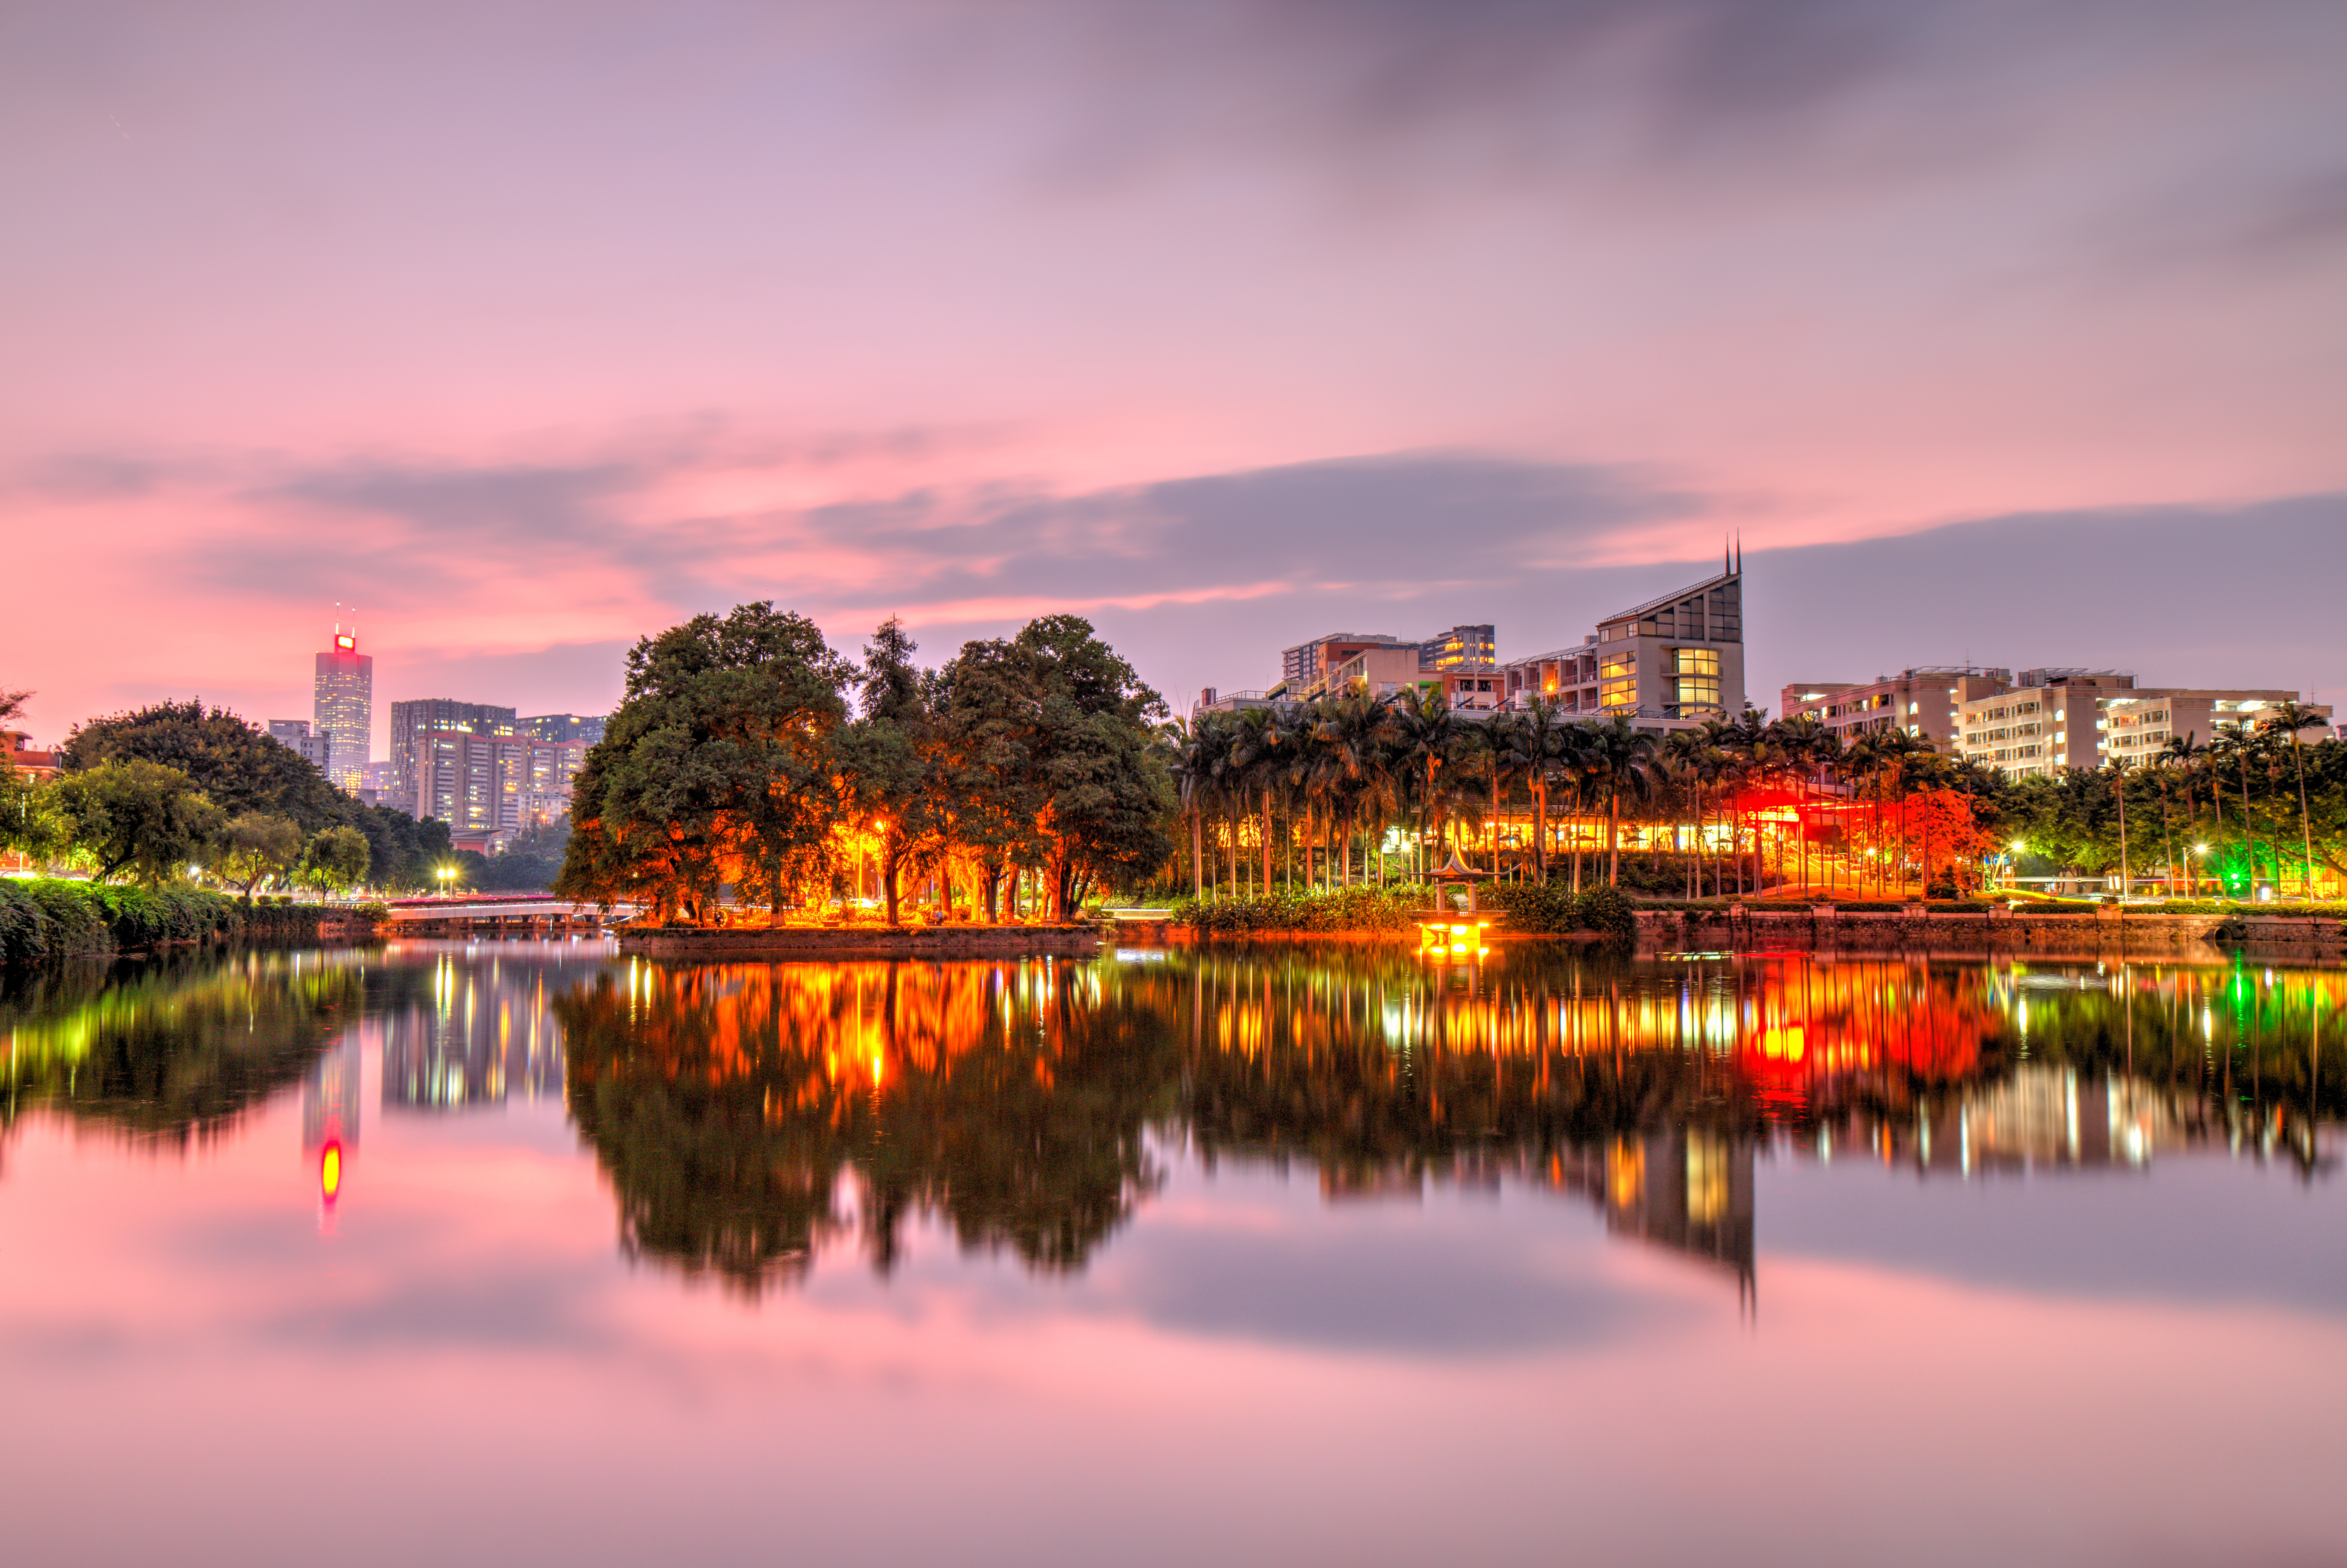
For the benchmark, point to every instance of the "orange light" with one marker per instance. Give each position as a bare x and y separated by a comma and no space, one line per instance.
330,1171
1784,1044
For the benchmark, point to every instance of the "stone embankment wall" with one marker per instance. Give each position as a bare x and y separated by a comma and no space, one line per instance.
1823,927
819,943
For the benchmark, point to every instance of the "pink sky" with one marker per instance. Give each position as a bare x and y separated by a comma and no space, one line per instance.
531,329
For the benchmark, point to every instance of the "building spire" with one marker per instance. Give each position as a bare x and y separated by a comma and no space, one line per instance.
1739,554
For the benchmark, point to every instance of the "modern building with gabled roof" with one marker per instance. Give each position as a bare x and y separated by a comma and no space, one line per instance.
1668,664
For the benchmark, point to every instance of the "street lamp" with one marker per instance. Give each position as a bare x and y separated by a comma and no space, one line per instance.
447,874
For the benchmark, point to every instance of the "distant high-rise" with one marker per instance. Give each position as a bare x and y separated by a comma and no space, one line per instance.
345,709
587,729
460,762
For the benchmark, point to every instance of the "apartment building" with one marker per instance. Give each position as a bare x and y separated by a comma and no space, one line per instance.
1925,701
438,772
1326,665
549,768
2069,718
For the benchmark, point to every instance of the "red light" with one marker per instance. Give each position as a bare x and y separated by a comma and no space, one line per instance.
346,643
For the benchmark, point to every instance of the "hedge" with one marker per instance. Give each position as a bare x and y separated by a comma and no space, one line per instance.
43,920
1394,908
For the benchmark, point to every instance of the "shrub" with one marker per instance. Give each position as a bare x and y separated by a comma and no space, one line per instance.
1604,909
77,926
24,929
1534,907
1394,908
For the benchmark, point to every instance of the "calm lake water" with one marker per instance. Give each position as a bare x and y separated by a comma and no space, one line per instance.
529,1253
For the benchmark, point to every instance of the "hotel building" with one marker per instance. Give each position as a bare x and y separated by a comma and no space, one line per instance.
342,709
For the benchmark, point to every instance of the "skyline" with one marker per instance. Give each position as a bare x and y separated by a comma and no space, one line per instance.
2007,336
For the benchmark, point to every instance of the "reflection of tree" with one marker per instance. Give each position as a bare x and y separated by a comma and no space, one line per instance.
1370,1069
750,1115
727,1103
173,1050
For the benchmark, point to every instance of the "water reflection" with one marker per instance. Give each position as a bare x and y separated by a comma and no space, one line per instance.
171,1053
750,1116
469,1027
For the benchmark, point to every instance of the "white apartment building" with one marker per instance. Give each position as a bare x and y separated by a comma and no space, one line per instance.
2056,719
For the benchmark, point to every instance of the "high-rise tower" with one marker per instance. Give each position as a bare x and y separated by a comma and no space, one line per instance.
344,697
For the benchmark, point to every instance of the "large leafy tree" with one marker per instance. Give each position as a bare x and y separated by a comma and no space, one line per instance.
138,817
1070,723
255,846
887,763
335,857
715,766
238,767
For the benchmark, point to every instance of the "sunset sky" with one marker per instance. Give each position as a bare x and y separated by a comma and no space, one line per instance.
2009,332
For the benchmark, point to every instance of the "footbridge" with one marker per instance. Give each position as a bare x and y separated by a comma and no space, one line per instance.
533,915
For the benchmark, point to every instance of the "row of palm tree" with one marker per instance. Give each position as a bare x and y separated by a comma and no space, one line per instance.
2228,761
1339,772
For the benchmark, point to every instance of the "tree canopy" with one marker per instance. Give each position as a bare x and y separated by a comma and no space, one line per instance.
733,761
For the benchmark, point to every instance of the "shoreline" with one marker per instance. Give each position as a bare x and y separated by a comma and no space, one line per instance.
867,942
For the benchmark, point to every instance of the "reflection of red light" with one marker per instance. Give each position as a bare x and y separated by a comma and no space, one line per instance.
1788,1044
330,1171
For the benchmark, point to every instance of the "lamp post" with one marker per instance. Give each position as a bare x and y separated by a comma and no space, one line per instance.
447,874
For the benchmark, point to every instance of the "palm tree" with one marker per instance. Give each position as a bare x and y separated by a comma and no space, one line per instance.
2181,753
1621,761
1502,766
1423,730
2233,742
1350,763
1186,745
1684,754
2289,718
1263,754
2159,764
1536,740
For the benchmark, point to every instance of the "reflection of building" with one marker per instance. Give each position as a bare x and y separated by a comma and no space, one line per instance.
1682,1188
469,1041
330,1112
330,1096
2045,1115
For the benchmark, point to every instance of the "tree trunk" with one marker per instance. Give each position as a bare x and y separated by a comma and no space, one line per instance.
1614,838
1540,832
